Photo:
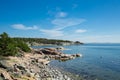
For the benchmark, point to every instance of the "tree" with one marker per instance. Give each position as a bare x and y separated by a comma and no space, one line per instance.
7,45
23,46
10,46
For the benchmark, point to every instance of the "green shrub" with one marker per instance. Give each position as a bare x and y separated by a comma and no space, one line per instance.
9,46
23,46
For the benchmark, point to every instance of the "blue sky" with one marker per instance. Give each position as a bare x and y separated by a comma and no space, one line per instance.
83,20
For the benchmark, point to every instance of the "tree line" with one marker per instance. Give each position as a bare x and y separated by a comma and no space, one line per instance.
43,40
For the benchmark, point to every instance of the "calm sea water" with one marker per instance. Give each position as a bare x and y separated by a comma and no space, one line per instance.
99,61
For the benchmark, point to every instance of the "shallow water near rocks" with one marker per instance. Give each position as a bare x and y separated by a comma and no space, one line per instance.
99,61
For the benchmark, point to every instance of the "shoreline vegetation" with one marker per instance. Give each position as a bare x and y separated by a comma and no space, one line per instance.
44,41
20,62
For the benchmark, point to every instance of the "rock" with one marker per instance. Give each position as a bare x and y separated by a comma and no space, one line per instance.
74,55
71,57
5,76
37,75
16,69
44,62
46,51
27,70
1,78
64,56
65,77
55,53
17,74
36,60
32,74
50,52
4,65
23,72
38,52
57,57
48,78
50,49
60,48
78,55
32,70
46,57
28,74
68,78
21,67
64,59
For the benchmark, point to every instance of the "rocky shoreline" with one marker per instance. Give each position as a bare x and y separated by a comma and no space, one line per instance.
34,65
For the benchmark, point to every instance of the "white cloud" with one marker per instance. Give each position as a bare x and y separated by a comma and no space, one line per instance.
52,33
23,27
57,13
63,23
61,14
80,31
59,25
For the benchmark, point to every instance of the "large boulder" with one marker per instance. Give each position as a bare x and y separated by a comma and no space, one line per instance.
50,49
65,55
21,67
49,52
39,52
5,65
78,55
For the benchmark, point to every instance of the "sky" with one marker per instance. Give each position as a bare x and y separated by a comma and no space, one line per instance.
76,20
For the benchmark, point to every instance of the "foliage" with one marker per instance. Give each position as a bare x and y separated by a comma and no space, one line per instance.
23,46
42,40
9,46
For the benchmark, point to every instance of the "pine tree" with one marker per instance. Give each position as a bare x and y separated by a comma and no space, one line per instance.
7,45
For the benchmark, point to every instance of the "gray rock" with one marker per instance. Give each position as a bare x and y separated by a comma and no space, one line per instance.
28,74
3,64
16,74
78,55
21,67
1,78
32,70
32,74
65,77
23,72
48,78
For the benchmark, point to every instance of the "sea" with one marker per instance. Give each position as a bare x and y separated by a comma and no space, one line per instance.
100,61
